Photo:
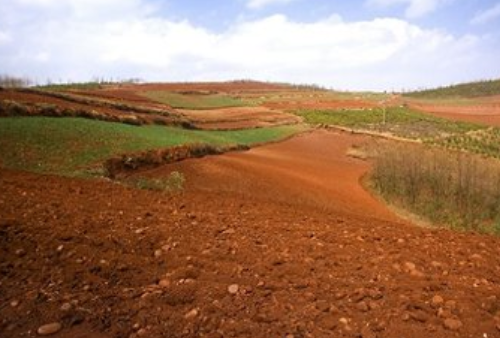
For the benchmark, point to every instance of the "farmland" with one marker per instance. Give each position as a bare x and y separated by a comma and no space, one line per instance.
248,209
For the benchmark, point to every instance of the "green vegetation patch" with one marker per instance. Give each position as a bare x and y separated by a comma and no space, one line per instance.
483,142
467,90
452,188
69,146
194,101
399,121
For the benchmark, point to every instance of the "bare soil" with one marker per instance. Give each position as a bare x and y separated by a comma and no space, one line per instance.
238,118
279,241
487,113
321,104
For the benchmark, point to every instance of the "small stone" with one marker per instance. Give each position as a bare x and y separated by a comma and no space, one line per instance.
343,321
60,248
323,305
409,266
475,257
191,314
142,332
401,241
20,252
419,316
233,289
164,283
66,307
437,301
362,306
328,322
158,253
416,273
48,329
14,303
452,324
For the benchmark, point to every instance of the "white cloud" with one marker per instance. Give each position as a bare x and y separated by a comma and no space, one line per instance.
414,8
488,15
257,4
376,54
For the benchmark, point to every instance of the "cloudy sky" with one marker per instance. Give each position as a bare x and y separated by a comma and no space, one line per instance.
356,44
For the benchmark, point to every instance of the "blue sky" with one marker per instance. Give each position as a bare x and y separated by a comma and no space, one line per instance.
355,45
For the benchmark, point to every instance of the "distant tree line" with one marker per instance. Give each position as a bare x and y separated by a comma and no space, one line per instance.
8,81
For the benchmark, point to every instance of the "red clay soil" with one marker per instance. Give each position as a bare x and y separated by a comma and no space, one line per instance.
487,113
330,104
280,241
118,114
226,87
238,118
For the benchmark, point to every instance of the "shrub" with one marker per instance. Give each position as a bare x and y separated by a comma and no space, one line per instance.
454,188
172,183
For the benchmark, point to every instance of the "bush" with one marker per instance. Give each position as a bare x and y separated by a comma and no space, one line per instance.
454,188
173,183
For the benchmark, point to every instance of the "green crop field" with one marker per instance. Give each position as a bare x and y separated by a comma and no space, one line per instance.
69,145
465,90
399,121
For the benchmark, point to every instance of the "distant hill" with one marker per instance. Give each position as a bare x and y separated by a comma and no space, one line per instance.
465,90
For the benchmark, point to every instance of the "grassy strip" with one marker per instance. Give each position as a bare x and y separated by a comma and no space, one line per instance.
483,142
194,101
69,145
399,121
473,89
453,188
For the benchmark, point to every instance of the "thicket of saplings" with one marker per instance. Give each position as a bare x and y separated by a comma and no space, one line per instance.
448,187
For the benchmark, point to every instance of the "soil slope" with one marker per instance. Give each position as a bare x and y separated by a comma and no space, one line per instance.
280,241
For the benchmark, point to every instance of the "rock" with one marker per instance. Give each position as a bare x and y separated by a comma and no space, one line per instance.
437,301
164,283
158,253
233,289
419,316
362,306
328,322
14,303
191,314
323,305
409,266
48,329
344,321
452,324
475,257
66,307
20,252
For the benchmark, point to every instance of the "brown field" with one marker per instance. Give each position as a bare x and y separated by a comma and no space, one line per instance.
484,111
282,240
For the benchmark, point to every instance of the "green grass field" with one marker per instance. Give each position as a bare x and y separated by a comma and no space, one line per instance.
68,146
464,90
399,121
201,101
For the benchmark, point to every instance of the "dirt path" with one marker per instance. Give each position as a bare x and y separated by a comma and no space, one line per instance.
259,245
312,169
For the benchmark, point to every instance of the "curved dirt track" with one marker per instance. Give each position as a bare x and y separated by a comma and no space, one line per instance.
280,241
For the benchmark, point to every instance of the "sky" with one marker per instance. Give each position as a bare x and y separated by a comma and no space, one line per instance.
344,45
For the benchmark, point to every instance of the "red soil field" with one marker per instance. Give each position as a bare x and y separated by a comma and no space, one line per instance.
319,104
238,118
487,113
279,241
